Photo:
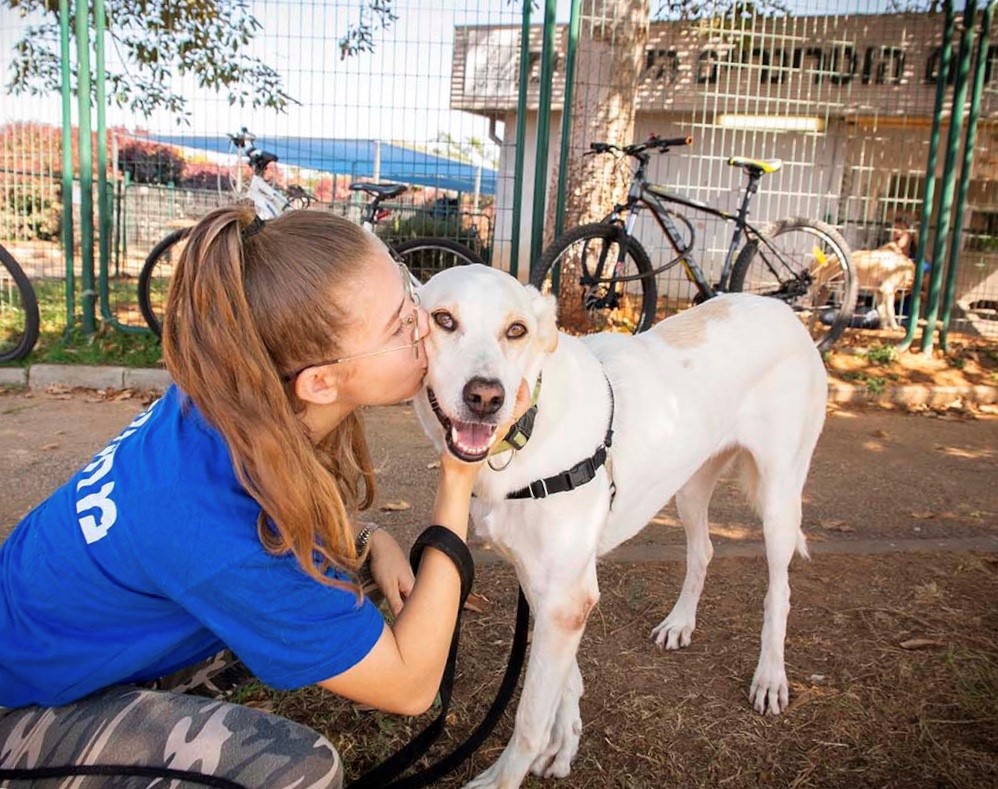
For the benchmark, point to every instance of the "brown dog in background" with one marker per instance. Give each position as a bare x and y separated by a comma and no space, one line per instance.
886,270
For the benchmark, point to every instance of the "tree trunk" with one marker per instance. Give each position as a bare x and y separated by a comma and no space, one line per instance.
608,64
609,60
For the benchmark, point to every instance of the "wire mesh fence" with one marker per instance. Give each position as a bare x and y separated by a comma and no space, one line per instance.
430,94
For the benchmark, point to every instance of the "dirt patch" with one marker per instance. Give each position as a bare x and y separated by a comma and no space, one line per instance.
870,358
865,710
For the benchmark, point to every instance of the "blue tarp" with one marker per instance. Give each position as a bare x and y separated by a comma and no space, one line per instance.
354,158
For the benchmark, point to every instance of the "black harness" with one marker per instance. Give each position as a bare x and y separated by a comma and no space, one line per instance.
578,475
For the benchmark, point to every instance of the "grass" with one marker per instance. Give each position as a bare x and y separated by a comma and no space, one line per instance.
881,354
107,346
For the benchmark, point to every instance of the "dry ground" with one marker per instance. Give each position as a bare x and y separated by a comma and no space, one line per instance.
892,649
865,356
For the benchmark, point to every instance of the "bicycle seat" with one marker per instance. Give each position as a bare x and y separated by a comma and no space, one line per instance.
262,158
383,191
756,166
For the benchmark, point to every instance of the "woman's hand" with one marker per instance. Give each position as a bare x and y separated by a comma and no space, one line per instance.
390,570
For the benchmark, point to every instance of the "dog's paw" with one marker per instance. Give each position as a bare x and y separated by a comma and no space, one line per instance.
674,631
556,760
769,692
490,779
504,774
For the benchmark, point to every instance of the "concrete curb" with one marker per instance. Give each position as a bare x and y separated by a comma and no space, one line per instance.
39,376
912,395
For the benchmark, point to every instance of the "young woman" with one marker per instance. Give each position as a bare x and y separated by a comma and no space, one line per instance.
224,516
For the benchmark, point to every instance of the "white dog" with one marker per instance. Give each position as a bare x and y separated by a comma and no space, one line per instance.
736,376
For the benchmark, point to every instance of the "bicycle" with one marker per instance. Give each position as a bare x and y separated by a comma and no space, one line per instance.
422,256
18,310
804,262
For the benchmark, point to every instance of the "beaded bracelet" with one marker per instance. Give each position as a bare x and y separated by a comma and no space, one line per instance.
365,536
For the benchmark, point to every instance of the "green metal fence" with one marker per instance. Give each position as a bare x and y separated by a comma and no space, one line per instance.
490,134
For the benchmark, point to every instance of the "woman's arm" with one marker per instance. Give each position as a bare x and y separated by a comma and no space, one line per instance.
402,672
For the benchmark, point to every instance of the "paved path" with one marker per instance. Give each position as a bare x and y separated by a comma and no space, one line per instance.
880,481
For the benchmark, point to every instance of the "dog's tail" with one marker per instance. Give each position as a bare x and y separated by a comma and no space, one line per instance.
749,478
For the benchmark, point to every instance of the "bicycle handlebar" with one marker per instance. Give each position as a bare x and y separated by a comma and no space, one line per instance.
661,144
242,137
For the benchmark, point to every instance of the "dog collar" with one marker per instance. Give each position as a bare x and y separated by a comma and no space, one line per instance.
519,433
578,475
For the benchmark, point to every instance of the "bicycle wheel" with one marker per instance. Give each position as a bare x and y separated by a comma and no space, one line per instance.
807,264
18,310
587,303
424,257
154,280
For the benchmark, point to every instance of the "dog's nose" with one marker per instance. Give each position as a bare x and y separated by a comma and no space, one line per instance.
484,396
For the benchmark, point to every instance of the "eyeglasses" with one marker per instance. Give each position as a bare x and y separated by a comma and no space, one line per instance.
411,322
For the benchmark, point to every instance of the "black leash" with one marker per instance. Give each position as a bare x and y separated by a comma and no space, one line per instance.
40,773
384,775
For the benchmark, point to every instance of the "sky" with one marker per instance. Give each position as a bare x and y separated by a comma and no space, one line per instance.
400,92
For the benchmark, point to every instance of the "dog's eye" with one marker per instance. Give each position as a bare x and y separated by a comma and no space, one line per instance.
444,320
516,331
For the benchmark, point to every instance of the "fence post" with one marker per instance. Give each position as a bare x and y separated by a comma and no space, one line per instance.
566,121
543,133
980,67
88,296
521,139
929,190
949,174
67,165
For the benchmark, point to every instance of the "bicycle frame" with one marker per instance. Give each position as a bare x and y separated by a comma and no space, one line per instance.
269,202
643,194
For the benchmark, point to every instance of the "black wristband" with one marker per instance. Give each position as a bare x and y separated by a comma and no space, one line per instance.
448,543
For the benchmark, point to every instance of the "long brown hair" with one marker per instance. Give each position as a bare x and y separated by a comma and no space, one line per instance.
246,305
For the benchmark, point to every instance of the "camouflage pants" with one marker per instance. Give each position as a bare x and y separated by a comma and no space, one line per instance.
126,725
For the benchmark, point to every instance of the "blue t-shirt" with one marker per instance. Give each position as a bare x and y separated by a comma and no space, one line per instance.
148,560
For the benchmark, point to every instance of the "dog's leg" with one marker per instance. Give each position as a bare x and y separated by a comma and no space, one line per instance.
556,760
781,513
887,295
561,611
692,500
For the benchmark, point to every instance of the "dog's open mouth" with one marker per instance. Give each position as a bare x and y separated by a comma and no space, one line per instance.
467,441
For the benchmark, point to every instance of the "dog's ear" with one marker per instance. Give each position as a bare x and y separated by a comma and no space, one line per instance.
545,309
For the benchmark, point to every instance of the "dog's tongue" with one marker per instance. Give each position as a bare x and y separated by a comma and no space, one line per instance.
472,437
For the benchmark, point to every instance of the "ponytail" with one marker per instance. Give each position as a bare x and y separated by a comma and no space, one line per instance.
246,304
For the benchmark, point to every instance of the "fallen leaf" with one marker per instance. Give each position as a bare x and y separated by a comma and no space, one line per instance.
880,434
127,394
51,446
266,705
923,516
434,464
921,643
836,525
478,603
395,506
